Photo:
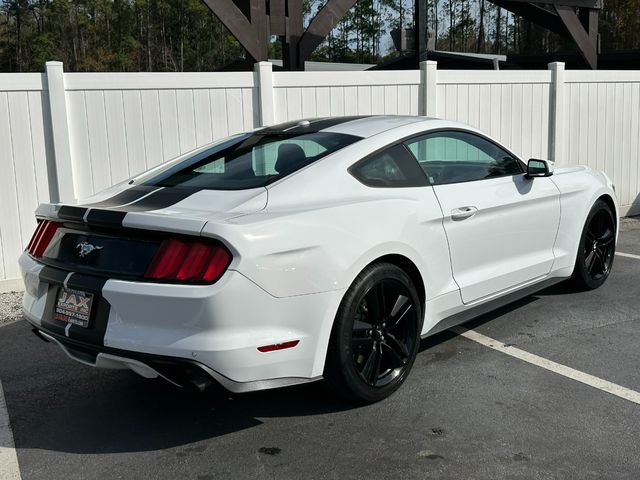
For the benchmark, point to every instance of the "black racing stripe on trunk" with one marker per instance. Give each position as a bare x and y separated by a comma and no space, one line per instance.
106,218
161,199
55,278
86,283
48,322
72,213
127,196
52,275
100,308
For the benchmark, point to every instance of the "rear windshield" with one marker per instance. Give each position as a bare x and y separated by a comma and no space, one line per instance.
251,161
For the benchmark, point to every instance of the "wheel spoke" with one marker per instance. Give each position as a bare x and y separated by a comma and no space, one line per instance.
378,365
382,304
371,369
397,345
395,359
400,302
395,321
603,251
376,303
590,260
601,225
606,237
362,324
602,263
369,364
605,243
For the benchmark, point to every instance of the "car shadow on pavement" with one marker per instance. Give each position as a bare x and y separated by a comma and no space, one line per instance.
58,405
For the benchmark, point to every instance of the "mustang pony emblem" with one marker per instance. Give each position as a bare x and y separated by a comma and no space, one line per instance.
85,248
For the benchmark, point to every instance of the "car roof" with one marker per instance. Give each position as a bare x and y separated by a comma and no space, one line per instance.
360,126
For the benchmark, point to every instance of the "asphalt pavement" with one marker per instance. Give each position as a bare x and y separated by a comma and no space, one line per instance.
466,411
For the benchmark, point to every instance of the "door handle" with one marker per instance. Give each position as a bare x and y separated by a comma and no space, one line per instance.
463,212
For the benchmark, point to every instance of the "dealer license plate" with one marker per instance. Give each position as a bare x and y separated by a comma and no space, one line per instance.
74,306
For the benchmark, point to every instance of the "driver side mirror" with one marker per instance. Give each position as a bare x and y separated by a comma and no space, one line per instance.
539,168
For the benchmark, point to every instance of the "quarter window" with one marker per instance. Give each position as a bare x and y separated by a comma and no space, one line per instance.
454,157
393,167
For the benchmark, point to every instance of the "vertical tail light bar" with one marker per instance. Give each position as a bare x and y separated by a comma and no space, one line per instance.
189,261
41,238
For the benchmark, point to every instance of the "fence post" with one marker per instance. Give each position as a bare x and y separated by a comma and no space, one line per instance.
60,133
429,81
264,82
556,111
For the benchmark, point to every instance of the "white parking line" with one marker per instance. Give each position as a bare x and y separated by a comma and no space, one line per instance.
9,469
563,370
628,255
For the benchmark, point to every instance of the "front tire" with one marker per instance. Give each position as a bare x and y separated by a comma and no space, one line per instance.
376,335
597,248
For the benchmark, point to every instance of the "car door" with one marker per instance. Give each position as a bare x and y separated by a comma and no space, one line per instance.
501,226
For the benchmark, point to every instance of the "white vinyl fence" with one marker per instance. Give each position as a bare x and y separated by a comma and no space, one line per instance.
68,135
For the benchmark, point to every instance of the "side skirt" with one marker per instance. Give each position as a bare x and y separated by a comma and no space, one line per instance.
477,310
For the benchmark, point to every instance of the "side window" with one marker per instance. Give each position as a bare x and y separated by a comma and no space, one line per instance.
454,157
393,167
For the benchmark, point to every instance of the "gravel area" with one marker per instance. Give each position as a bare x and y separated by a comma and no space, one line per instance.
10,307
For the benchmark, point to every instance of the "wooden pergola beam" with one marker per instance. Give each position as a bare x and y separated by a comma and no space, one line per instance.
248,30
585,36
535,13
577,19
252,22
321,25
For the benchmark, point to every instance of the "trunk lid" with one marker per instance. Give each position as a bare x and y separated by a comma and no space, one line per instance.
177,210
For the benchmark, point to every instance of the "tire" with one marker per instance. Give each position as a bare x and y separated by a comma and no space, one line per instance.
597,247
376,335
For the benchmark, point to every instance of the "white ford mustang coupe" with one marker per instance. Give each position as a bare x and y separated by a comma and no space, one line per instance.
323,248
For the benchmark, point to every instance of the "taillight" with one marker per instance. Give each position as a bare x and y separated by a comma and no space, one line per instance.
189,261
41,238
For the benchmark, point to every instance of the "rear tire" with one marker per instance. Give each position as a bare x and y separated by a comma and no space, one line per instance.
597,248
376,335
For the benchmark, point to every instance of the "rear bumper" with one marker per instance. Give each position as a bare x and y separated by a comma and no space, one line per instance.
216,328
179,372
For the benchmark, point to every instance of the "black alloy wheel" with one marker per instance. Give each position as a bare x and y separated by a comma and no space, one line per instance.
384,330
376,334
597,247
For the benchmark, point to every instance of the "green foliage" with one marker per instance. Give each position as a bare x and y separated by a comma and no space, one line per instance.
113,35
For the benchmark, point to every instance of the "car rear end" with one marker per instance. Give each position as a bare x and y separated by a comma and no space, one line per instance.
151,278
163,304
